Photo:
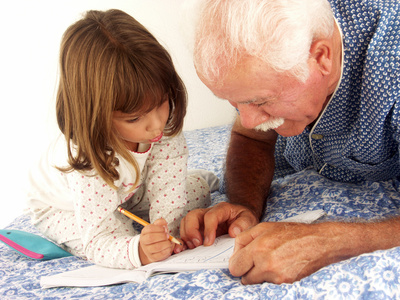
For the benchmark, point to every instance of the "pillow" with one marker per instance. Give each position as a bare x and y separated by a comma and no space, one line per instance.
31,245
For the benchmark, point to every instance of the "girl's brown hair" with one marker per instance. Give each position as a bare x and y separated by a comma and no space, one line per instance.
110,62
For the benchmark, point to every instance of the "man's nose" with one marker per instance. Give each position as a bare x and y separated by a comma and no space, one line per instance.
251,116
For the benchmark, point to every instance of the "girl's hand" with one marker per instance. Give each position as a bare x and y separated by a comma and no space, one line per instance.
180,248
154,244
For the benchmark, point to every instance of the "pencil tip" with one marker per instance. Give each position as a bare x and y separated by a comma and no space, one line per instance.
176,241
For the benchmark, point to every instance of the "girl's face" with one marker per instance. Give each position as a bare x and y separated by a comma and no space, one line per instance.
147,128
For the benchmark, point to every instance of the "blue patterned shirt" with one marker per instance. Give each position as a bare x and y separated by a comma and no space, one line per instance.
357,137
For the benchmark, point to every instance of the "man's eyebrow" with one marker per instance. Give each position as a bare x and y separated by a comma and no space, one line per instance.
250,101
256,99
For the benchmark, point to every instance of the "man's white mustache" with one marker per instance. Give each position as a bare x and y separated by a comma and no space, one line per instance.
270,124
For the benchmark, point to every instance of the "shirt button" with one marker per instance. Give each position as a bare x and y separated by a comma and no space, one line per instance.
317,136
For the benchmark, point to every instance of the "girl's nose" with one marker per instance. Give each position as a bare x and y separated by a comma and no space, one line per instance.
154,121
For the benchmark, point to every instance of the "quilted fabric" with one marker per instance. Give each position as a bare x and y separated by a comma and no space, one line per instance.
369,276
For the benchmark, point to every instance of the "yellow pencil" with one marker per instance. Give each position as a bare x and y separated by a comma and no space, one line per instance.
143,222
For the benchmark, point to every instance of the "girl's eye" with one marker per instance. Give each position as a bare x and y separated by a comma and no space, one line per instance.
133,120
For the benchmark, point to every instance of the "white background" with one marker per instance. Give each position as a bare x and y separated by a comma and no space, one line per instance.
30,34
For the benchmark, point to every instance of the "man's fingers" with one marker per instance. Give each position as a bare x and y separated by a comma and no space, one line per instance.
216,222
241,261
202,226
224,218
244,221
242,240
254,276
211,221
244,259
191,226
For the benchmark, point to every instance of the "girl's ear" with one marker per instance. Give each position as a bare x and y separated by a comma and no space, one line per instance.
321,52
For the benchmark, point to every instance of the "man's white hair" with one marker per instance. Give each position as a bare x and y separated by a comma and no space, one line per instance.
278,32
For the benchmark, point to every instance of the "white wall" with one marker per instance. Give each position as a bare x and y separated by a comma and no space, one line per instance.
30,33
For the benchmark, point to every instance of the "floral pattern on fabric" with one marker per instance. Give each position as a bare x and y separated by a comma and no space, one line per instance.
369,276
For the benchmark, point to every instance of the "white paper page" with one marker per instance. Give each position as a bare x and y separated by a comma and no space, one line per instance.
307,217
215,256
92,276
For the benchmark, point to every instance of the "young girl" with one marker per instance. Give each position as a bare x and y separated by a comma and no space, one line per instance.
120,107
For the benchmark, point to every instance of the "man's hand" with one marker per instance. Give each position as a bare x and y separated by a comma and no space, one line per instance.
278,253
214,221
154,243
287,252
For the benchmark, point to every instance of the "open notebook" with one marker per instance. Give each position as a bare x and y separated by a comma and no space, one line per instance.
211,257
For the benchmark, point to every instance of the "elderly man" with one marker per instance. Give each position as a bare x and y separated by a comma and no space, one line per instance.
316,84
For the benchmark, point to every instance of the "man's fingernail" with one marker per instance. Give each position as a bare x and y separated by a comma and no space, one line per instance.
236,231
196,242
206,240
190,244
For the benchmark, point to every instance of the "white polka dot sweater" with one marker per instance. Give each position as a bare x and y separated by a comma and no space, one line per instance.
84,207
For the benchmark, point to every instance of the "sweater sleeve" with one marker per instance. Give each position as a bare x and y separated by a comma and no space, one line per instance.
166,181
108,236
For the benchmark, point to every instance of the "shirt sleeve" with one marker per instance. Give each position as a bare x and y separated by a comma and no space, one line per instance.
166,181
108,237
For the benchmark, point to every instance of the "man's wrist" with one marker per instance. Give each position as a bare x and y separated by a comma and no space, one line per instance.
256,211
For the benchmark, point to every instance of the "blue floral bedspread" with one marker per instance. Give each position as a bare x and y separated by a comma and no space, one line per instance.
370,276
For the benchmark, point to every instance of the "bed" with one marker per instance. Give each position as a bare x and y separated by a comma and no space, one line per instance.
370,276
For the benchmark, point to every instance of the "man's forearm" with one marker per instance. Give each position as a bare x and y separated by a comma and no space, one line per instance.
370,236
249,172
331,242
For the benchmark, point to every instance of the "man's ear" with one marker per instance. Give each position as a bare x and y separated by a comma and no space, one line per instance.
321,52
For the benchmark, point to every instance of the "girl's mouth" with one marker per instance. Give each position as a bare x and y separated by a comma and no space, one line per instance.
156,139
